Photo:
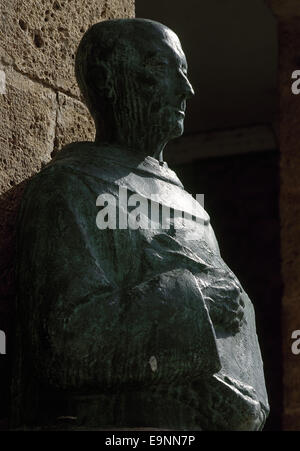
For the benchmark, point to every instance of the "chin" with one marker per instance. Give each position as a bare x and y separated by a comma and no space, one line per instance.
178,130
172,130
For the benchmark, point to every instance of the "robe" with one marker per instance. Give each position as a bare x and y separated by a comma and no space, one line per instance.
109,318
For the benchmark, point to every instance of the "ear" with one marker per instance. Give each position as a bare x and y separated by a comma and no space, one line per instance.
102,82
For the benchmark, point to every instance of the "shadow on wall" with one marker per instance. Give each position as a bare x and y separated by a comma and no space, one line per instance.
9,203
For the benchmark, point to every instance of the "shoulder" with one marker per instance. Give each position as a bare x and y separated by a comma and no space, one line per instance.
50,182
62,174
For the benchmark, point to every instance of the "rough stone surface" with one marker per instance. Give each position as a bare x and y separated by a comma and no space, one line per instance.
28,113
74,122
41,37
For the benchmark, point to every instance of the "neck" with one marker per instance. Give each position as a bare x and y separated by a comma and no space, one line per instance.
143,146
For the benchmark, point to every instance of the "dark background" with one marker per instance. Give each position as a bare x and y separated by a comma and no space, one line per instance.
229,150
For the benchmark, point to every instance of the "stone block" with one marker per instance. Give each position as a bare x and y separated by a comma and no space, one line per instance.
74,122
28,112
41,37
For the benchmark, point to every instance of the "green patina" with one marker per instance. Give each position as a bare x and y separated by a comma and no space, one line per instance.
128,328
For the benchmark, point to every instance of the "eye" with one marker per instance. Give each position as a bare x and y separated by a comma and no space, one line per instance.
155,63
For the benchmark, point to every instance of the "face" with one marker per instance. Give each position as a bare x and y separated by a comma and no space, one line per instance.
165,87
155,88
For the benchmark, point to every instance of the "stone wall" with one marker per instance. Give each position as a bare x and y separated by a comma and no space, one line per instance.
288,15
40,109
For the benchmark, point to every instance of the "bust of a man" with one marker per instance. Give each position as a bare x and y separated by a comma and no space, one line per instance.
128,317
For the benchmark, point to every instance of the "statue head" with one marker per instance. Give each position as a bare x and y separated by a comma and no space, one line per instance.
133,76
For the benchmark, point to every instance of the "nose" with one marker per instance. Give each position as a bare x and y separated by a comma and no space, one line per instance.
185,86
190,89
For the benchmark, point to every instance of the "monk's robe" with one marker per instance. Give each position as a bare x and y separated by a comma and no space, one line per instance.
133,327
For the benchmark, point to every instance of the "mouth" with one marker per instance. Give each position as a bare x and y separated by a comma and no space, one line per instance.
180,110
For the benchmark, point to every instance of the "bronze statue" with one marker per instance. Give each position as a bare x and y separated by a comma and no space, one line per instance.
122,323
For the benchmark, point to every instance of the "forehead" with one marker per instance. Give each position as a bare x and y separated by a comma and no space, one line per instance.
160,42
171,42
